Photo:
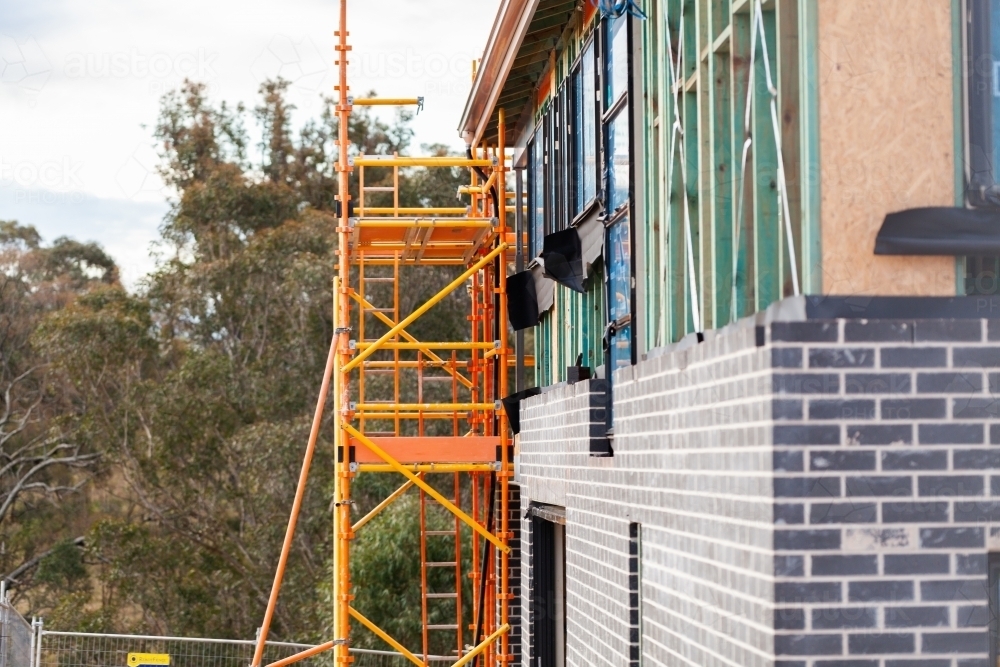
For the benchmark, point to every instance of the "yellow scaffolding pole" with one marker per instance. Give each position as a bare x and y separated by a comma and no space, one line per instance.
429,490
458,345
406,210
428,467
384,636
427,161
426,407
434,300
388,101
382,505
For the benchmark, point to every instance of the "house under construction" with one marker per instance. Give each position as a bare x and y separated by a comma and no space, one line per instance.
748,250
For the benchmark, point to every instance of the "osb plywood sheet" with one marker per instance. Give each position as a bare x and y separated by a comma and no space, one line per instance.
886,138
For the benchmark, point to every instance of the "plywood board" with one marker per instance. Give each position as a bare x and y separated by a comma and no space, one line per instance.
886,138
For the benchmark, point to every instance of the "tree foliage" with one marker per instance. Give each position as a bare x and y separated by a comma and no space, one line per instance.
197,389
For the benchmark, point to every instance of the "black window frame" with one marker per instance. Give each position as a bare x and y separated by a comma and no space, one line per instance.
608,112
981,173
587,206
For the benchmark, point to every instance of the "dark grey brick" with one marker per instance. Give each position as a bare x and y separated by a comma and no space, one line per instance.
807,592
950,434
805,383
808,645
878,331
995,434
976,511
789,619
914,408
880,434
914,357
977,616
952,538
917,617
825,566
914,460
959,331
836,618
840,409
806,540
948,590
786,357
880,591
993,382
950,485
917,564
993,330
841,460
806,435
804,332
787,461
820,513
915,512
925,662
846,663
955,642
976,357
973,662
975,408
807,487
970,564
841,357
976,459
790,663
871,486
789,566
868,644
786,410
878,383
788,514
949,383
995,485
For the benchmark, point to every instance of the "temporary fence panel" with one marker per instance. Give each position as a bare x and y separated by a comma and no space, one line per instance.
82,649
15,637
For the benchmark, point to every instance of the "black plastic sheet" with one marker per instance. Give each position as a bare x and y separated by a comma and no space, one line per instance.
522,301
562,257
512,406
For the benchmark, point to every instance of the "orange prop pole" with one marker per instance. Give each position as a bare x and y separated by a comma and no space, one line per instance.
300,492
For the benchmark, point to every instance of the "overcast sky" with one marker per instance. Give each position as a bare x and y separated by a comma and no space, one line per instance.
81,83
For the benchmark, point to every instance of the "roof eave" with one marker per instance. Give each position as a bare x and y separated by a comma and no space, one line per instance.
506,36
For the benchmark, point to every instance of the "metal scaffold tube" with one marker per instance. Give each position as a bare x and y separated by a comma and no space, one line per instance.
436,421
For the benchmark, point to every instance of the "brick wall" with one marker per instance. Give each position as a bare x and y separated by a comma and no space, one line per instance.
883,486
692,465
810,494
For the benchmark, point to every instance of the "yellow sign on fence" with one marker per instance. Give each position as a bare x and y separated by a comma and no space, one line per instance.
140,659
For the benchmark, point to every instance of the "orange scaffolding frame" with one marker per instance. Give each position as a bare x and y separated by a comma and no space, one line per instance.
382,427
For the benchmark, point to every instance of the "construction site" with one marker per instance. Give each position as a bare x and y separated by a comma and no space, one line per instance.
725,391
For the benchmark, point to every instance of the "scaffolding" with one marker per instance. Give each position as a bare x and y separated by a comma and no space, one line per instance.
428,411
